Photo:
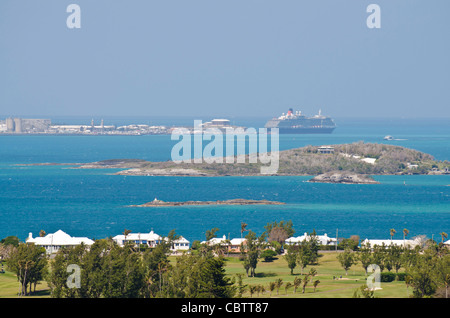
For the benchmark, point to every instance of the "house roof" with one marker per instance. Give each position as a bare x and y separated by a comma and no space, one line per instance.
390,242
58,238
181,240
324,239
152,236
238,241
215,240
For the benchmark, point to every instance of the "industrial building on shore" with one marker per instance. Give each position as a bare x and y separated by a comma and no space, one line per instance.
24,125
16,125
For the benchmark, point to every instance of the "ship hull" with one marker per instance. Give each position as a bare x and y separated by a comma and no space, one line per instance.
320,130
298,124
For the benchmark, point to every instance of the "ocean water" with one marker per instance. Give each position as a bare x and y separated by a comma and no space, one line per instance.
95,203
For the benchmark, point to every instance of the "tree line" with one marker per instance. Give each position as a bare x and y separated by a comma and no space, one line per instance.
111,271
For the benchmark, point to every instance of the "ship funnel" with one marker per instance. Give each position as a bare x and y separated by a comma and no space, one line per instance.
290,112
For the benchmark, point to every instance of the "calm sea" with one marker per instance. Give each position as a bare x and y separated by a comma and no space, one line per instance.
95,203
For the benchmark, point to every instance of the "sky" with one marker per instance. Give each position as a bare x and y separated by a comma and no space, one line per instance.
225,58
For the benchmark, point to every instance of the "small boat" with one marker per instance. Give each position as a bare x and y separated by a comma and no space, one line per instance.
388,138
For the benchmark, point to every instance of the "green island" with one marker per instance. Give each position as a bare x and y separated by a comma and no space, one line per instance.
363,159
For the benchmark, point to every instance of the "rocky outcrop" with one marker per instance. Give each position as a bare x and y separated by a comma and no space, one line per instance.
162,172
157,202
344,177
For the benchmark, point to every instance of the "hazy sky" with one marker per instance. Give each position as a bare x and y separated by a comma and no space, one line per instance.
225,58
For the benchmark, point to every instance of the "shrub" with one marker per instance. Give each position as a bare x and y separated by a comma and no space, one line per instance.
387,277
401,276
268,255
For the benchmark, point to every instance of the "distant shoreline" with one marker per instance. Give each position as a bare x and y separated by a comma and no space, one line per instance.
81,134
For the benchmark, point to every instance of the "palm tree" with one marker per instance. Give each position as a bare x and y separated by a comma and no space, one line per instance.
405,233
392,232
243,226
258,289
305,282
42,233
219,249
297,282
125,233
443,235
209,234
312,273
316,282
286,287
278,284
272,286
262,289
252,289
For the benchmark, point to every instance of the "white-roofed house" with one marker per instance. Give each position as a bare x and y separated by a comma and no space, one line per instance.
387,243
150,239
233,245
236,245
180,244
216,240
321,239
55,241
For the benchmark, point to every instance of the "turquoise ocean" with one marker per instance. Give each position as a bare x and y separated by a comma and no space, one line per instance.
95,203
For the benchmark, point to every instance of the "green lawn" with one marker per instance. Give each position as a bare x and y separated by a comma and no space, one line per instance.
10,287
328,287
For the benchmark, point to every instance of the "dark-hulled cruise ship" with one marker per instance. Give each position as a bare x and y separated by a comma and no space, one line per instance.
296,123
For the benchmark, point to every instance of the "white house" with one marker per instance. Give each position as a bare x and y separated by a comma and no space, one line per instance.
325,149
54,242
233,245
180,244
403,243
215,241
322,239
236,243
151,240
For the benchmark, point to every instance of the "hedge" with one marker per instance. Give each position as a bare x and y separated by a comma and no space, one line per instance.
388,277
